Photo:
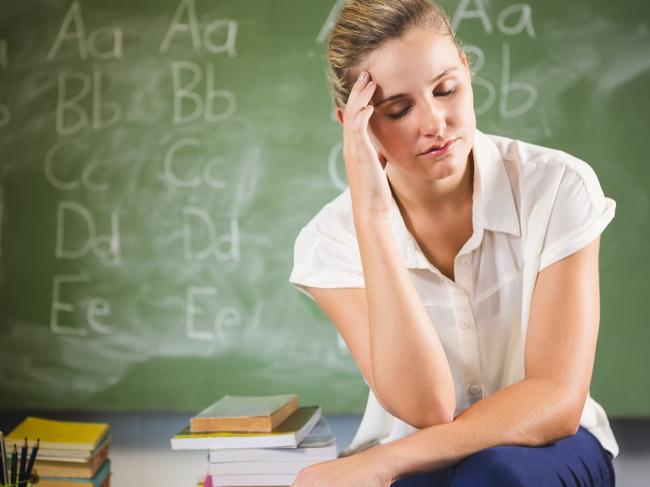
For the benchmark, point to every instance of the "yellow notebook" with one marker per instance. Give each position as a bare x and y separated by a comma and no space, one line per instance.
69,435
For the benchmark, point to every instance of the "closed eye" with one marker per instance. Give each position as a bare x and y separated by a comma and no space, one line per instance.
407,108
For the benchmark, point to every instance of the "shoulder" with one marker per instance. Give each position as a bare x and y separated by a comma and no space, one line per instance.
335,218
541,170
560,202
325,252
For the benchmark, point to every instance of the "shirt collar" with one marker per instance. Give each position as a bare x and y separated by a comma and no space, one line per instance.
496,204
493,203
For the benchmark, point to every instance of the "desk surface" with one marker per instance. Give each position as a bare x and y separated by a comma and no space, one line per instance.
140,451
142,457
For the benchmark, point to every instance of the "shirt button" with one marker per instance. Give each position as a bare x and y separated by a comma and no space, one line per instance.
464,324
465,261
474,389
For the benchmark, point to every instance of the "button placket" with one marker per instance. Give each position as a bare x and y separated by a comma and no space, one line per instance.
463,274
468,341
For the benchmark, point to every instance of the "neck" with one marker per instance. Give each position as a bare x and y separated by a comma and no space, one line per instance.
417,195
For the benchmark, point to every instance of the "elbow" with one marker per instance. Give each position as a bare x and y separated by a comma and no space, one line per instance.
572,423
436,406
434,418
422,418
570,420
560,426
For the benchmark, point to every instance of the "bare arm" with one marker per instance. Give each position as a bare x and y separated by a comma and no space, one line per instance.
542,408
390,335
387,327
547,404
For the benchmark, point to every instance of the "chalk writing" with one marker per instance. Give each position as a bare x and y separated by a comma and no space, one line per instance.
226,317
96,308
73,29
207,174
71,116
224,246
207,106
105,247
185,20
57,156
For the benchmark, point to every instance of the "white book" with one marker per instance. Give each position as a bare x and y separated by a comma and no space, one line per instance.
271,467
253,479
320,444
289,434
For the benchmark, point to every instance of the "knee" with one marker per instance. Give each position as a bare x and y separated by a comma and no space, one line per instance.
490,467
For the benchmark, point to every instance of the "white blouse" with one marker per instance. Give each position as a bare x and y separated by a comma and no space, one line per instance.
532,206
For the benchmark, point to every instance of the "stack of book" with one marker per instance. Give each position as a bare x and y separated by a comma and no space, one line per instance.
70,454
258,440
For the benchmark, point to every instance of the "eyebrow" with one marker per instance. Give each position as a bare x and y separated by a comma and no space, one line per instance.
400,95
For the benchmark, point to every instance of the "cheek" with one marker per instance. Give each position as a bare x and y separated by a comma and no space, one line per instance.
393,138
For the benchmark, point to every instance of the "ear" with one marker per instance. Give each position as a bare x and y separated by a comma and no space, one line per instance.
339,115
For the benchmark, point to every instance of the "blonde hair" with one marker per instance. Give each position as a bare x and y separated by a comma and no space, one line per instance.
365,25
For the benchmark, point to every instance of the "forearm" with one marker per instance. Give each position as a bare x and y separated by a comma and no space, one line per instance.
532,412
410,371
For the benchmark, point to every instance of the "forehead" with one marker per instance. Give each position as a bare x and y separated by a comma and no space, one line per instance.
420,54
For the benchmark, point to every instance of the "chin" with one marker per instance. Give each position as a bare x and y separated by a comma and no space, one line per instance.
445,168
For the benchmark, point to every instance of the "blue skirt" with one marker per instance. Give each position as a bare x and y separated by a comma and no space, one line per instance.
578,460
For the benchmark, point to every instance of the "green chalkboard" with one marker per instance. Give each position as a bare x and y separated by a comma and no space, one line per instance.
157,160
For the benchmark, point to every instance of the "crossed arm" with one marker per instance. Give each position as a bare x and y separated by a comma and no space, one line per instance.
544,407
390,334
547,404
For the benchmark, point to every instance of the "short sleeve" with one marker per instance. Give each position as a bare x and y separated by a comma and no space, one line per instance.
579,214
326,258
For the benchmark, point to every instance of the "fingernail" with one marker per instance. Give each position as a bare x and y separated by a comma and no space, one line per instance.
363,76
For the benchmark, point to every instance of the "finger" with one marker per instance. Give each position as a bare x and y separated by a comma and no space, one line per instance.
366,113
359,84
365,96
361,101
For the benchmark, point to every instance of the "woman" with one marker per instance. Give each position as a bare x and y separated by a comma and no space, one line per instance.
461,269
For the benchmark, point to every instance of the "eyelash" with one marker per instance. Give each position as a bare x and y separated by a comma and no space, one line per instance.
398,115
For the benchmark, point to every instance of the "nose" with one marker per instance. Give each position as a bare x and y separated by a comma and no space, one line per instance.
432,119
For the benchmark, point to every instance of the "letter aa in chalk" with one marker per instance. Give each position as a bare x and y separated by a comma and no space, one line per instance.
73,29
105,247
522,10
224,247
185,21
464,12
71,115
216,106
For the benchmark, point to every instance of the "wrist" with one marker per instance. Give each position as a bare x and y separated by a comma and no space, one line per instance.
385,456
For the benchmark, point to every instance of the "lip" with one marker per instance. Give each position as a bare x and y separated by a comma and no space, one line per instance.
438,152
